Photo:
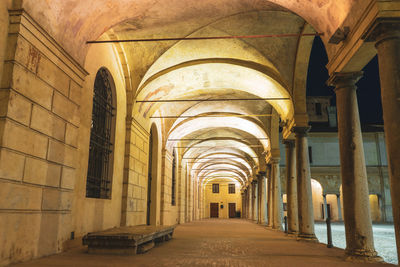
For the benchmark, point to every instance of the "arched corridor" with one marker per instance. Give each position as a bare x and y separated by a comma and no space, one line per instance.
130,113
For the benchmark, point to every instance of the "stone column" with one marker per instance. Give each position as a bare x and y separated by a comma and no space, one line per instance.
304,194
243,205
325,207
291,188
339,208
255,200
387,37
269,197
357,218
249,200
261,198
246,204
277,195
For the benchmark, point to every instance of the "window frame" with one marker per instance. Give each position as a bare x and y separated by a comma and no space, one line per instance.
215,188
230,187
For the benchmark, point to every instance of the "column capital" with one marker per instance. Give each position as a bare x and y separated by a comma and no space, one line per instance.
383,29
301,131
261,175
344,79
289,142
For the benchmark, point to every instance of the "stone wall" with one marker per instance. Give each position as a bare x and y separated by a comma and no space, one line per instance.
39,120
169,212
136,175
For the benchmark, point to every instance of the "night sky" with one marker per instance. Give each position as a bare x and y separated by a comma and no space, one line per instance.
368,93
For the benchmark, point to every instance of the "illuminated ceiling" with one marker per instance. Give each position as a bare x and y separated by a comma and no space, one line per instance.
214,138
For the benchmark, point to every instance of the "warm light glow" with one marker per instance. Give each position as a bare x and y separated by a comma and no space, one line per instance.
193,125
202,79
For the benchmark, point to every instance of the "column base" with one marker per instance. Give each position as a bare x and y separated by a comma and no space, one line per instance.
362,255
307,237
292,234
277,228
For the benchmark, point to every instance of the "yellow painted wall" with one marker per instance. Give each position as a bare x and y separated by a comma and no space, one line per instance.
223,198
91,214
317,199
374,206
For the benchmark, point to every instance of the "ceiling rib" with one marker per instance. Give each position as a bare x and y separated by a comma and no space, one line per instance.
282,35
211,100
210,116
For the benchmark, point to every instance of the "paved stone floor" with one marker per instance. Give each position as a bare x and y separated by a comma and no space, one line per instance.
214,242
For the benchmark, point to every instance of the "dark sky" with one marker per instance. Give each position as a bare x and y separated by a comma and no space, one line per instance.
368,93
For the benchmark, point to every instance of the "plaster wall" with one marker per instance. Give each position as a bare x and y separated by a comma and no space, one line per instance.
92,214
332,201
374,206
223,198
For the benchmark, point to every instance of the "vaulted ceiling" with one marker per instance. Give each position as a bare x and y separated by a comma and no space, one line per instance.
212,135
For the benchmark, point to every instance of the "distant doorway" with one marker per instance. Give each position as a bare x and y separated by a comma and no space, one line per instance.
214,210
232,210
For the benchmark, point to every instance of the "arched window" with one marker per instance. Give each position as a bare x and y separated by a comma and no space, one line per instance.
173,189
99,175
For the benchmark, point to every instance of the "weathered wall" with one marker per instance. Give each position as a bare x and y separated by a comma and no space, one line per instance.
169,212
92,214
39,120
375,210
136,175
4,6
223,198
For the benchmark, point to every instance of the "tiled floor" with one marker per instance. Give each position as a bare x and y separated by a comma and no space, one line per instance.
214,242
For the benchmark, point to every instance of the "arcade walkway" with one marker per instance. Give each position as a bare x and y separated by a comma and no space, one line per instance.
214,243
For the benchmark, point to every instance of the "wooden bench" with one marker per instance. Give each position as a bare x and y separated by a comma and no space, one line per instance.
127,240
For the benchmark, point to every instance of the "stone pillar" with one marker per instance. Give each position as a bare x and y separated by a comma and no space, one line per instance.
277,195
304,194
357,218
339,208
244,211
249,200
255,200
291,188
387,37
325,207
269,197
261,198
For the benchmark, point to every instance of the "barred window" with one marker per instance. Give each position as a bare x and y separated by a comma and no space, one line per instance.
231,189
173,179
98,184
215,188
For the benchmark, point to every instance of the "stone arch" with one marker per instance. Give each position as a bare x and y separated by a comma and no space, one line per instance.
317,198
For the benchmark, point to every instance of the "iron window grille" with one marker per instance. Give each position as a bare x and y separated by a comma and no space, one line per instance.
98,183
